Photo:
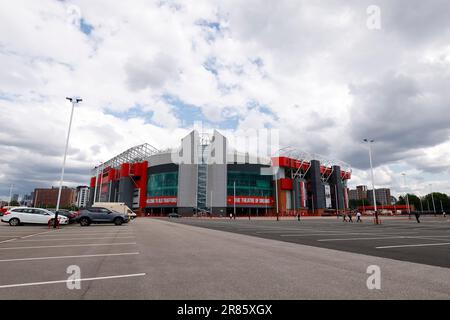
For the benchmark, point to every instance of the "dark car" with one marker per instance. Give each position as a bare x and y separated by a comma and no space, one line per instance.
173,215
71,215
101,215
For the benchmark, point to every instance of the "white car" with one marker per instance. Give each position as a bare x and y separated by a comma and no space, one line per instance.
19,215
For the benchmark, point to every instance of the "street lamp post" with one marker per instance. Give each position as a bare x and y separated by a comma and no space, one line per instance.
276,196
234,199
74,101
432,199
10,194
407,197
369,142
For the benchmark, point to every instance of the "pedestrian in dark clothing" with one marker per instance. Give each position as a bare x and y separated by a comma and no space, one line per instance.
350,217
417,216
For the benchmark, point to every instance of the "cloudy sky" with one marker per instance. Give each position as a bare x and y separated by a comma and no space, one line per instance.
321,72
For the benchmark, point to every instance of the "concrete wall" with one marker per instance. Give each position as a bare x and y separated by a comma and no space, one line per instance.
318,189
126,187
337,187
159,159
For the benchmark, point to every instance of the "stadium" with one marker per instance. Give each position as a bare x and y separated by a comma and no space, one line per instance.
204,176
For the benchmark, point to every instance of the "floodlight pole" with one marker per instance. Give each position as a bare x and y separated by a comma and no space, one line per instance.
407,197
74,101
10,193
234,199
432,199
369,142
276,196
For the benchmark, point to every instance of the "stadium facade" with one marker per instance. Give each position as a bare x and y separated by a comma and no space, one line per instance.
205,177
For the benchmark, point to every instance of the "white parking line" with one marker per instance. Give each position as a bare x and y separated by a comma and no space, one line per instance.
35,234
374,238
87,234
415,245
71,239
9,240
66,281
336,234
68,257
70,245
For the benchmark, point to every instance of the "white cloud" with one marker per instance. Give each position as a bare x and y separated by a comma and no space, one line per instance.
310,69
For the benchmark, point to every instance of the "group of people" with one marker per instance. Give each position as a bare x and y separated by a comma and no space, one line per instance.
350,214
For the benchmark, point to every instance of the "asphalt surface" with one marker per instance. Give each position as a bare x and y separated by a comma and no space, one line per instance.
396,237
159,259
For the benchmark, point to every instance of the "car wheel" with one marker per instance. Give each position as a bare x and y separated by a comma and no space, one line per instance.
14,222
118,221
84,222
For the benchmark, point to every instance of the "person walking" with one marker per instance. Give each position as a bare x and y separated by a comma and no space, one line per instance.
358,216
443,214
350,217
345,217
417,214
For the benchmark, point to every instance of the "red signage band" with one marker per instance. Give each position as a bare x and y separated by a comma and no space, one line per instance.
154,201
245,200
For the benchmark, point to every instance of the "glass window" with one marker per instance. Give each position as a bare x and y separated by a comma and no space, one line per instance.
162,184
249,184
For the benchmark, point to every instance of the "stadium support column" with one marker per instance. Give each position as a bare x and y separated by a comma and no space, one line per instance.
317,188
92,191
126,186
338,190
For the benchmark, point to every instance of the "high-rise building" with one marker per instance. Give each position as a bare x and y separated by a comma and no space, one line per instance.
353,194
382,196
362,192
26,200
82,198
48,197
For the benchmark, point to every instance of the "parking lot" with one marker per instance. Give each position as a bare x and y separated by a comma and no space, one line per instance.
152,258
396,238
35,258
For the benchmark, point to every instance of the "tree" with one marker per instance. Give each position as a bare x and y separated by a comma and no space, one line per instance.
438,197
14,203
413,201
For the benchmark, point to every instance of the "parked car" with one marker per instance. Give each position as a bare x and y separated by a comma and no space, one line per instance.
174,215
72,215
6,208
120,207
101,215
21,215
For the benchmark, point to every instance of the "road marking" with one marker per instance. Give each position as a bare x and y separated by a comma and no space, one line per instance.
71,239
70,245
415,245
8,240
32,235
66,281
331,234
68,257
88,234
374,238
